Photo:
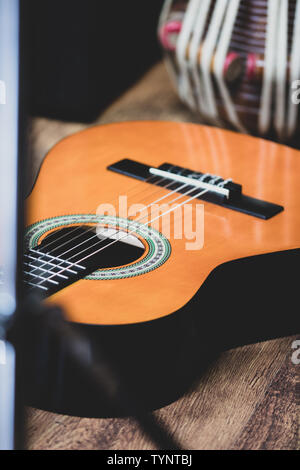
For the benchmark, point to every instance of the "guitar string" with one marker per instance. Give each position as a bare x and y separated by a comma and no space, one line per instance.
115,241
90,230
96,236
125,236
135,220
214,179
129,193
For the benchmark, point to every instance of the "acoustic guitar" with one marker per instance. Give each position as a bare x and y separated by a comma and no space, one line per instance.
161,291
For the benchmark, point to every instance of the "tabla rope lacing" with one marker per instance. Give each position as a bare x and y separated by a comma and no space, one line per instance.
264,120
184,37
207,52
220,57
194,53
162,20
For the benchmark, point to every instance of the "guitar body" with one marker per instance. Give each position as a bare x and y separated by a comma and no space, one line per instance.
157,319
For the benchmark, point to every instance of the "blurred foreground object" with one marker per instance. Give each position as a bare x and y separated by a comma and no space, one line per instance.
236,63
11,225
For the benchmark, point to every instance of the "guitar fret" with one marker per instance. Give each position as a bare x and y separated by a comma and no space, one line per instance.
59,259
41,277
51,264
35,285
46,270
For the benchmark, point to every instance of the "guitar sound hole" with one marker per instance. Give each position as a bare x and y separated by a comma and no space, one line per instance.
93,247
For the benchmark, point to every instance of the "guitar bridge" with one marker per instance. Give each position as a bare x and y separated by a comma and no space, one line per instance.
216,190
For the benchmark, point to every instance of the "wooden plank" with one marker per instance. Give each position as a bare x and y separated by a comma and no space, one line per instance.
275,420
243,401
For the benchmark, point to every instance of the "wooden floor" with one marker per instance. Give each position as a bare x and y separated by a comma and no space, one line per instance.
246,400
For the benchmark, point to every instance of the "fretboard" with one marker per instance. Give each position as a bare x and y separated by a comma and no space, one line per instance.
48,274
70,254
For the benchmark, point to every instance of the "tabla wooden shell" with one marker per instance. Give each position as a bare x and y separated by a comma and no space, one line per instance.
245,65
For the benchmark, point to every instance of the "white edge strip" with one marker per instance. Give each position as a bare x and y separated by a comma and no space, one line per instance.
220,57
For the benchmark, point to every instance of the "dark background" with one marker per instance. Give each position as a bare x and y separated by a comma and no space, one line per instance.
82,54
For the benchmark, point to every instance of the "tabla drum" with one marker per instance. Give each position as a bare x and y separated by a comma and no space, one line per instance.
237,62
